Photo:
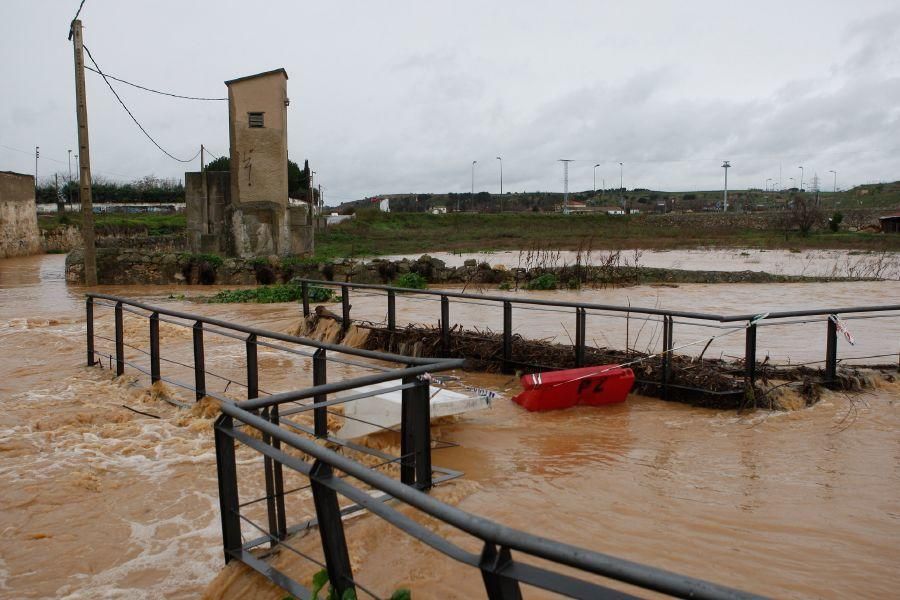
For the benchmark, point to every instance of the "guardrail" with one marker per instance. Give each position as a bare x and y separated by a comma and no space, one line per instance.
668,318
330,475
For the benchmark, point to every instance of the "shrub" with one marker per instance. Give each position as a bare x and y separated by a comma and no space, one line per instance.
504,285
320,294
412,281
268,294
547,281
834,223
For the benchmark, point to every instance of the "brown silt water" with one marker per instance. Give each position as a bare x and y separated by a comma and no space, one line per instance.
101,501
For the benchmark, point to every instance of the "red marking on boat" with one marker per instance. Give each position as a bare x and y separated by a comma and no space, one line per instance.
593,386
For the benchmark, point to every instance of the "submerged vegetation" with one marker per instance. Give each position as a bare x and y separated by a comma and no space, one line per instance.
270,294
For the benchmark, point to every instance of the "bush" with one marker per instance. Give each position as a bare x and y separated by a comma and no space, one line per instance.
320,294
268,294
834,223
547,281
412,281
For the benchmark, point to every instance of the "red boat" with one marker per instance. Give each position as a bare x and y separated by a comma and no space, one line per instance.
600,384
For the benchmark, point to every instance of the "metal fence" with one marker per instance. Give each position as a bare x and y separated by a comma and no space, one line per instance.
721,325
506,558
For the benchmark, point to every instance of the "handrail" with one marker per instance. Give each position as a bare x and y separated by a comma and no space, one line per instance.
651,578
609,307
374,354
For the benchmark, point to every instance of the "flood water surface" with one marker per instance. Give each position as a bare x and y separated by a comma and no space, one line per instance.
97,500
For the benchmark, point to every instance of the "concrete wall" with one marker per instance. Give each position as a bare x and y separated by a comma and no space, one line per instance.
19,234
208,211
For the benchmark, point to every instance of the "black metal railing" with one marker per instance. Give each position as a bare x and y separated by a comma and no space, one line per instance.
507,557
504,558
749,323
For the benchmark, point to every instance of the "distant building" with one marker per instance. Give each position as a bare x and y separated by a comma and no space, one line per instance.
246,212
611,210
890,224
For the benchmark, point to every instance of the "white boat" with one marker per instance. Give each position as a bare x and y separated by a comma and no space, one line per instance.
383,410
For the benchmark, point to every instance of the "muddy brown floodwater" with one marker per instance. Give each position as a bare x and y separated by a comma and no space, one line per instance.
99,501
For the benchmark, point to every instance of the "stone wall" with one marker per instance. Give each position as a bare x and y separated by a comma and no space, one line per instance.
18,216
129,266
208,211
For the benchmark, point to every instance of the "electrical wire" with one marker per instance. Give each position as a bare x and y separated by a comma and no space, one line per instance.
136,122
75,18
146,89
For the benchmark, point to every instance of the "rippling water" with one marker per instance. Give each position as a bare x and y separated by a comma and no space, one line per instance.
99,501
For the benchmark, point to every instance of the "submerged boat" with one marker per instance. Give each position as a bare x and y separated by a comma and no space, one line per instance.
594,386
383,409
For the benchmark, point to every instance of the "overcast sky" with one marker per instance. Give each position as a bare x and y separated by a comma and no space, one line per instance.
395,97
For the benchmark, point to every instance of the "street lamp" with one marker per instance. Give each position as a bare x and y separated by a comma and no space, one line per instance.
621,187
595,178
725,165
37,155
69,183
792,181
801,178
767,183
501,183
835,180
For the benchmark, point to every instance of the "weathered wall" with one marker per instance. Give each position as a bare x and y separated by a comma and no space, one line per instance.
18,216
207,211
259,154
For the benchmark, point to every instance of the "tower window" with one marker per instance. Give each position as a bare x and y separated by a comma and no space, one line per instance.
256,119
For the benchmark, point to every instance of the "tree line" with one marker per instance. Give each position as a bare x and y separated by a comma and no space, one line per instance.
148,189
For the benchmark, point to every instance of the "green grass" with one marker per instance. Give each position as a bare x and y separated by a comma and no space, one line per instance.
270,294
411,233
104,223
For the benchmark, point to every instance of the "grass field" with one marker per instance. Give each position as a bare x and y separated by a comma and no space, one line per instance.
399,233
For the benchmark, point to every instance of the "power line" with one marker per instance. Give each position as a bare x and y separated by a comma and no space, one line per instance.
146,89
75,18
141,127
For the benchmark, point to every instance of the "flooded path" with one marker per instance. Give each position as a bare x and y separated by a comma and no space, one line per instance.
99,501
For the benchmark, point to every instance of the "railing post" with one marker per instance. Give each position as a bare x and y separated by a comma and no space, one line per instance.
252,367
320,377
278,474
120,341
331,530
345,307
407,439
666,356
199,362
392,311
580,334
831,352
229,505
89,316
750,357
304,290
507,366
422,426
492,564
154,348
268,472
445,325
391,318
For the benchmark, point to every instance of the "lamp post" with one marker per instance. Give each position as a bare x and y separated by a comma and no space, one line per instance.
725,165
801,178
37,155
767,183
621,188
595,178
69,182
834,190
501,183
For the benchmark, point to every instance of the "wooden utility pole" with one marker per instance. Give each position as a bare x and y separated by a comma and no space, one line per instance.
205,185
84,160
